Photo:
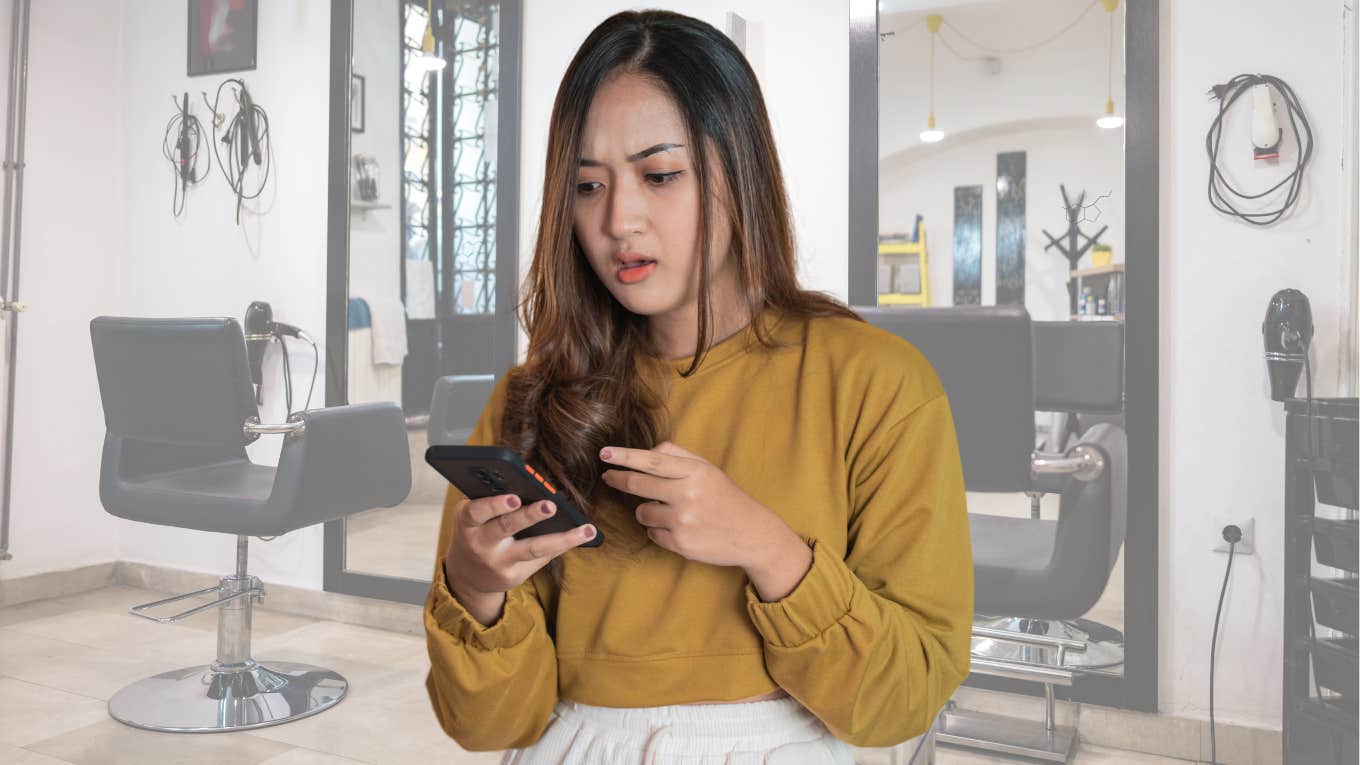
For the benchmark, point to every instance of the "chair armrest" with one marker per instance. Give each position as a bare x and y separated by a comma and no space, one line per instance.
1107,495
346,460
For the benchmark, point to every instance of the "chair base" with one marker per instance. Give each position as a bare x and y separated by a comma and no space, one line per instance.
212,698
1098,653
1006,735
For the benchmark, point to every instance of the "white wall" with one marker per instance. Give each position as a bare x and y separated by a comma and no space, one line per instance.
375,235
72,256
1223,450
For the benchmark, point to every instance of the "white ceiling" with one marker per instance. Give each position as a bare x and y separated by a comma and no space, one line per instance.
887,7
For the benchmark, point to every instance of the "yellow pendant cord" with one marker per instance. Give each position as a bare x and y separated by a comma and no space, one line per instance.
1110,6
427,45
933,24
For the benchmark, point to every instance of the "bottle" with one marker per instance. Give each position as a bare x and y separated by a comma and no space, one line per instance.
1112,295
1081,301
1090,298
1101,310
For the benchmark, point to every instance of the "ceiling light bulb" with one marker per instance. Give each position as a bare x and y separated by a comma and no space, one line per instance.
1110,120
428,60
930,134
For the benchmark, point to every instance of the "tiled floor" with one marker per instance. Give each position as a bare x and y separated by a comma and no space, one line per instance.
61,659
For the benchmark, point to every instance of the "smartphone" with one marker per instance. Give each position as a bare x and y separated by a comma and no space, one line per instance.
486,471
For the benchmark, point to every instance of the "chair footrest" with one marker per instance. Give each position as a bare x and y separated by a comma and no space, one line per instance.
1006,735
1034,673
141,609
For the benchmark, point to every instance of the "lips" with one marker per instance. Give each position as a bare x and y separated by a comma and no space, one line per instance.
631,260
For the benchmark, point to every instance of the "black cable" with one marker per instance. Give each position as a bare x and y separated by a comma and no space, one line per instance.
1213,645
244,136
188,135
316,362
287,378
1226,94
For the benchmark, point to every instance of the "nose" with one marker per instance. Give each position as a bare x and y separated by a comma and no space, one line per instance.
627,211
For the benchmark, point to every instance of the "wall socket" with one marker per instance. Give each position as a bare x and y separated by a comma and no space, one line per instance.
1246,546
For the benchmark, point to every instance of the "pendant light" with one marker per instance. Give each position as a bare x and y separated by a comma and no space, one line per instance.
1110,120
931,134
428,60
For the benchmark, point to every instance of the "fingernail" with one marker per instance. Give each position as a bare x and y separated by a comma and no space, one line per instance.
512,501
605,454
548,508
588,532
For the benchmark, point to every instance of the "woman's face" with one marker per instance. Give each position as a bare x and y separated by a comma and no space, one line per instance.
636,199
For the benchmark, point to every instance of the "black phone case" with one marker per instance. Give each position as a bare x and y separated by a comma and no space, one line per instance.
486,471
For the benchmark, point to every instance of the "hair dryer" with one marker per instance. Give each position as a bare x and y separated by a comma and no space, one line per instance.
1287,331
259,334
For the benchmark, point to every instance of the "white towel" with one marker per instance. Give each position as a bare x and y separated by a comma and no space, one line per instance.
389,330
420,289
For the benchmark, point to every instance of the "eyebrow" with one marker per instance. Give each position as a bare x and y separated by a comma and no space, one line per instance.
640,155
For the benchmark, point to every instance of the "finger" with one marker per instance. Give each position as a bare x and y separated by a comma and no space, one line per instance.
509,524
674,449
646,461
640,484
663,538
479,511
654,514
545,547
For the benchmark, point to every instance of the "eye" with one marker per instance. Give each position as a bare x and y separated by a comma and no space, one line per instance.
661,179
586,189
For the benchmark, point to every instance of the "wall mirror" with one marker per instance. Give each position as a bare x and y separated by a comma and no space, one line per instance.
424,105
1004,153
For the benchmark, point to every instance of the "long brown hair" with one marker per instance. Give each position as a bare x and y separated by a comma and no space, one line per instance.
579,389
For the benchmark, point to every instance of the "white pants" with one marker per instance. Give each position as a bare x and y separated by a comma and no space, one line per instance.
774,732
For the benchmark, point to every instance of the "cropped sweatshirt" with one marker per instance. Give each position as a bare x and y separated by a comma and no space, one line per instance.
847,435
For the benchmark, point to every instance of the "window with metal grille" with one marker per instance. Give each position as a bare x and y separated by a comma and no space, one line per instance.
448,150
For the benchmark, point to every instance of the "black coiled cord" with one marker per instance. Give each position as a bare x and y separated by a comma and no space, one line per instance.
247,139
1226,94
188,136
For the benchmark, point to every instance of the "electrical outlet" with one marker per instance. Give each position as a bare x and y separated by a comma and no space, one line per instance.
1245,546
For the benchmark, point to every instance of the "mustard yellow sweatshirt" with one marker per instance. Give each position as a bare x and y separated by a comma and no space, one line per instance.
848,436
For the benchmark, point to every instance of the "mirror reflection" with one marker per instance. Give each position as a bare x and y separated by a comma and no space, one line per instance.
422,254
1001,183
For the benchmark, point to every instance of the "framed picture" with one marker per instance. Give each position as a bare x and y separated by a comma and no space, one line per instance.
222,35
356,103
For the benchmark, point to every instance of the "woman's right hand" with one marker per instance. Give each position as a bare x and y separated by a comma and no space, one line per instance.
484,560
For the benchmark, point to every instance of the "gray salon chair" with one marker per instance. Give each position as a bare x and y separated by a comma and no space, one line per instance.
179,411
1028,568
1079,379
457,402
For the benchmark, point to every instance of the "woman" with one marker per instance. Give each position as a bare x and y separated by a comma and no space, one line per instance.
786,566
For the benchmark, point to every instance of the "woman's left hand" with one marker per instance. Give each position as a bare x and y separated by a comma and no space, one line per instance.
697,511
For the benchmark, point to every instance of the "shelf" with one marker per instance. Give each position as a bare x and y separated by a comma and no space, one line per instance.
366,206
901,298
1113,268
1107,317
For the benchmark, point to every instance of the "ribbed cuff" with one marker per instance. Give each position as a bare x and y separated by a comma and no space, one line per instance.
514,625
815,605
